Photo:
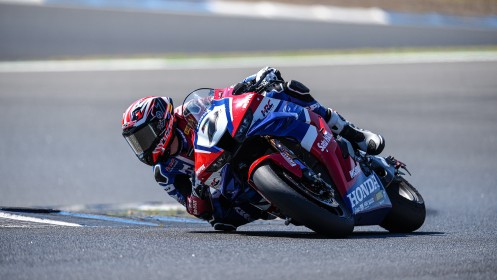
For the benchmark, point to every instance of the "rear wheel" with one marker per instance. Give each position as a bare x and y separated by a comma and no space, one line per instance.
275,186
408,208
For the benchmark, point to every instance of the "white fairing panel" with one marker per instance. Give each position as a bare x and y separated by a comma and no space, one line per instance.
212,127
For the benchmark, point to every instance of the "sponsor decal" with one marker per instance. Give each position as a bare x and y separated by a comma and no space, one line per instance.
162,124
169,188
356,170
324,143
187,130
246,101
200,170
194,208
363,196
172,163
313,106
288,159
184,166
243,214
267,108
214,180
214,183
379,196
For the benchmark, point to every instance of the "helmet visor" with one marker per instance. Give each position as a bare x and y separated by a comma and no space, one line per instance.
142,139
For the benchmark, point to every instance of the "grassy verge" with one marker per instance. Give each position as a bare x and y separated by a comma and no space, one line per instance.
453,7
302,53
135,213
331,52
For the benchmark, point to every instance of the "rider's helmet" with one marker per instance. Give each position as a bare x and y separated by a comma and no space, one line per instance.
148,126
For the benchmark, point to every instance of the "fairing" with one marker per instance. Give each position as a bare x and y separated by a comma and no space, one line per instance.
363,194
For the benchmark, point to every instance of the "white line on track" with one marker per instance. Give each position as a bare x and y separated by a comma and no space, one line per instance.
36,220
31,2
106,218
246,62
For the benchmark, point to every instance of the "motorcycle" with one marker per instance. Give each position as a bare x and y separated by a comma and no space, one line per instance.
304,173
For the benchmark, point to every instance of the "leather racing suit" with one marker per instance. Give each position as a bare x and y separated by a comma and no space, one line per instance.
230,205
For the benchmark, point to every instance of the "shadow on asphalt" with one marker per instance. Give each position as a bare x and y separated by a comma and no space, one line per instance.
313,235
385,234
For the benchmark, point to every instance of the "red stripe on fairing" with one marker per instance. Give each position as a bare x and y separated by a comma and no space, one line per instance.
277,159
239,106
332,156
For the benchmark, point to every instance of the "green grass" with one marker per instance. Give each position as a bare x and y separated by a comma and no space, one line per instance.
451,7
303,53
147,213
329,52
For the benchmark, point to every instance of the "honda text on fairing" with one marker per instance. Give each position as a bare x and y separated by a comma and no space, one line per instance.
304,173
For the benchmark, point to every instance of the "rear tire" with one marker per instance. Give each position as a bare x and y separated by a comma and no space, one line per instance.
292,204
408,208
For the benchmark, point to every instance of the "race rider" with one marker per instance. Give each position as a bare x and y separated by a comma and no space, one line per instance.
160,137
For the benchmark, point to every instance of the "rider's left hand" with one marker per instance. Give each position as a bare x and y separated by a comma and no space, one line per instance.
199,203
198,207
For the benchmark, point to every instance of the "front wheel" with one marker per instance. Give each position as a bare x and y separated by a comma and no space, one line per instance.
408,208
270,181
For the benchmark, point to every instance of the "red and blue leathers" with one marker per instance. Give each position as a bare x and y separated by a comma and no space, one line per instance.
231,202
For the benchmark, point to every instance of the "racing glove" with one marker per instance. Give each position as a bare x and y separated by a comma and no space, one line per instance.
199,203
265,77
258,82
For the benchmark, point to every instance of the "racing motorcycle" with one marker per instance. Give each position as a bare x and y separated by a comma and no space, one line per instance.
304,173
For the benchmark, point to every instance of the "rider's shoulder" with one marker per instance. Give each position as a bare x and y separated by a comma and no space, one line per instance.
173,165
161,176
166,169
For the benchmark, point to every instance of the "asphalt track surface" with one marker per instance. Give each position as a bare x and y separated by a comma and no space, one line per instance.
38,32
60,145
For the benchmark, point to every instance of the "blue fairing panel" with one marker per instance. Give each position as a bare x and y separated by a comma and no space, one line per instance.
280,124
368,195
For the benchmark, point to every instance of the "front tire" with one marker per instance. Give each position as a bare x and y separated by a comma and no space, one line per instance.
408,208
274,187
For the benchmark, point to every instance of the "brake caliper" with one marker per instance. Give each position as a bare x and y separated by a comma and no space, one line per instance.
317,186
313,184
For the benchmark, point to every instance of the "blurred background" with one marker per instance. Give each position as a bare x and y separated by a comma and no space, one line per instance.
445,7
422,73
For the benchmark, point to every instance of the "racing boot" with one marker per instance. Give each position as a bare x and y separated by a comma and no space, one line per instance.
361,139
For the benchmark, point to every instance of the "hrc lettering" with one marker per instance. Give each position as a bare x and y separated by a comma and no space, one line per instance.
267,108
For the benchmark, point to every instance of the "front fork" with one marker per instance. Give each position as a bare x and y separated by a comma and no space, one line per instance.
313,184
299,174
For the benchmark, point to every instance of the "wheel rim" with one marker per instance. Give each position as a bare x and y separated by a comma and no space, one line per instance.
408,193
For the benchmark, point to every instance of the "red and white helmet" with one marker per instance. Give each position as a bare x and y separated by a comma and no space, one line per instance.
148,126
